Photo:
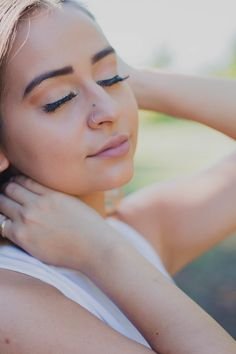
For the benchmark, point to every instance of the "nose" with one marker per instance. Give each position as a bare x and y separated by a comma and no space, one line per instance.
102,112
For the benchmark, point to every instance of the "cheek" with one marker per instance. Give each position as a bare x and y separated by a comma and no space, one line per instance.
51,159
34,145
26,143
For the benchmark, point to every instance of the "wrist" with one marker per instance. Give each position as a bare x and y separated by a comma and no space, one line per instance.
138,86
153,89
146,85
91,256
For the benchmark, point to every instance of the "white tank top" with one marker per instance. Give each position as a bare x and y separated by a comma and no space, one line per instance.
77,286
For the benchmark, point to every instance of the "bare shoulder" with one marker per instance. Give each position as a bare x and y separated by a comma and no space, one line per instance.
37,318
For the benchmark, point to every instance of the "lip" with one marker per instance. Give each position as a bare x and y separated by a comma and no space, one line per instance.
114,147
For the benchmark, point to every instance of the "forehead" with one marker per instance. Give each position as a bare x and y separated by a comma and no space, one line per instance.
53,38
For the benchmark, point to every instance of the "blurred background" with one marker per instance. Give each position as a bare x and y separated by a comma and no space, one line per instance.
193,37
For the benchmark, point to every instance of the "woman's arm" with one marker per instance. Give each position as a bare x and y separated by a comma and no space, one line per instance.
166,317
185,217
36,318
207,100
170,322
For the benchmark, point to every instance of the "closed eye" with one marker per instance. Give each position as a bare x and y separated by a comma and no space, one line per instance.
114,80
52,107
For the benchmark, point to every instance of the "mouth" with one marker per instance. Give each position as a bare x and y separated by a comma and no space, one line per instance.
116,147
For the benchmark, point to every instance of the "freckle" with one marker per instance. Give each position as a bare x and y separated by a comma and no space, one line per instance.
157,333
7,340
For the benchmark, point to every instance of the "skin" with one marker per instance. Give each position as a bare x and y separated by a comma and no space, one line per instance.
60,142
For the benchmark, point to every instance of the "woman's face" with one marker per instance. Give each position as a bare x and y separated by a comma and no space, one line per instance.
66,59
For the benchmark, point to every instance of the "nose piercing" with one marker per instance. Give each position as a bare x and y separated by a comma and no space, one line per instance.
93,120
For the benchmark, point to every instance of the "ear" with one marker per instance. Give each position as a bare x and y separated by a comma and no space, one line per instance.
4,162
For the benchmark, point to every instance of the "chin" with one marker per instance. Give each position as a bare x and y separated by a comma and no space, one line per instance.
117,179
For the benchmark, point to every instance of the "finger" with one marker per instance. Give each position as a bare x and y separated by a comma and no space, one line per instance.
31,185
6,230
9,207
2,218
19,194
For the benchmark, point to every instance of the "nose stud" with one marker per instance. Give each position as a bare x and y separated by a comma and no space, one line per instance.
93,120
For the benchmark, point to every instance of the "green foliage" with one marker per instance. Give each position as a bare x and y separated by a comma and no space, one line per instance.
230,70
154,118
163,58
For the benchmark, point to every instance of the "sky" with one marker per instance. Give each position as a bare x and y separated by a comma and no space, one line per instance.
197,34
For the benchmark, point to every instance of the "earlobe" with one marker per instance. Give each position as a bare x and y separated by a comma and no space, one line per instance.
4,162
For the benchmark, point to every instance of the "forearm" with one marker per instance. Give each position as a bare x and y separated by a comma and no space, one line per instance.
210,101
197,212
162,313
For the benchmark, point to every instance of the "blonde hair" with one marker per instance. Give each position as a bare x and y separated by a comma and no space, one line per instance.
11,13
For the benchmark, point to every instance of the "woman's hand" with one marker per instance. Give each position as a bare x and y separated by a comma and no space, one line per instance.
125,69
53,227
207,100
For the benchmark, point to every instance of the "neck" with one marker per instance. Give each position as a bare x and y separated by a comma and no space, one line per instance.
95,201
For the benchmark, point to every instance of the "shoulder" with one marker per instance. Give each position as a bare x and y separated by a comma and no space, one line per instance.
34,313
37,318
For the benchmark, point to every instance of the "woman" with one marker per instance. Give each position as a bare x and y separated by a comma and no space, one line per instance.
69,123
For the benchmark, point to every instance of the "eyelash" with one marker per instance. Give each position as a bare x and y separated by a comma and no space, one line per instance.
52,107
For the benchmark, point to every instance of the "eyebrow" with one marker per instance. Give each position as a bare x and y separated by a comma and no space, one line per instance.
102,54
68,70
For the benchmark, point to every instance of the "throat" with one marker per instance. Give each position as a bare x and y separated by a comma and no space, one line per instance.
96,201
